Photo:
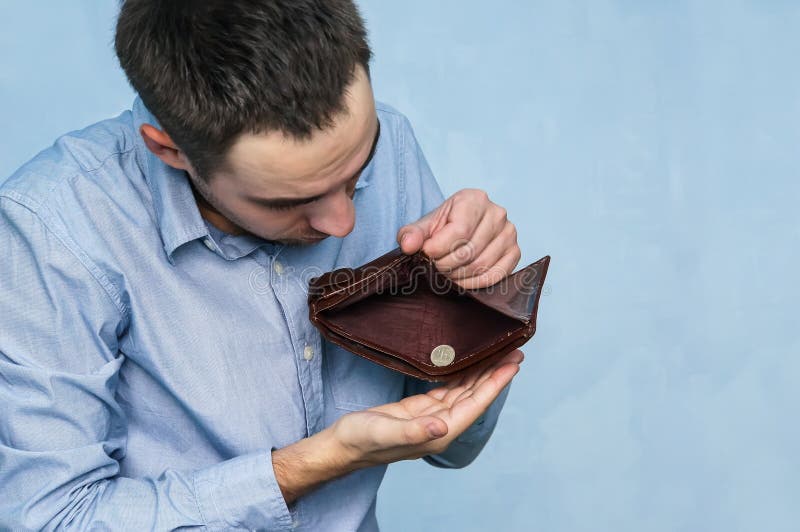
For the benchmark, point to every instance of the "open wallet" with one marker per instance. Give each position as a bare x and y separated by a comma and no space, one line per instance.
401,312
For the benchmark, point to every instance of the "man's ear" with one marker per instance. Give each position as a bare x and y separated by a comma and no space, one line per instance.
161,145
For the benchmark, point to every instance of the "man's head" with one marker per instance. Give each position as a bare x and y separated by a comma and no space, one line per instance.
267,104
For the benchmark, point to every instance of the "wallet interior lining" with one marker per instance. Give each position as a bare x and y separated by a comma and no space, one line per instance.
409,325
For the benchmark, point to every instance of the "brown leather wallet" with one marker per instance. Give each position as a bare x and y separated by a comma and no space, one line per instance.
401,312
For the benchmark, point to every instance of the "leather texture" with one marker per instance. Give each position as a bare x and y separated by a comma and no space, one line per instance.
396,309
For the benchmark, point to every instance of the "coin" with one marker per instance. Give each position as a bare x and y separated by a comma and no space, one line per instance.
443,355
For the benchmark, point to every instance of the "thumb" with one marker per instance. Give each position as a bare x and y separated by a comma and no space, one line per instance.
416,431
412,236
428,428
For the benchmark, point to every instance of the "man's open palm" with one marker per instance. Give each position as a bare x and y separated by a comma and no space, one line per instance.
426,423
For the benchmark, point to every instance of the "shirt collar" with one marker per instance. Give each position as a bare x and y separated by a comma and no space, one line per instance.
179,219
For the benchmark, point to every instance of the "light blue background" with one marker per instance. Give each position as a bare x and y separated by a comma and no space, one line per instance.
653,149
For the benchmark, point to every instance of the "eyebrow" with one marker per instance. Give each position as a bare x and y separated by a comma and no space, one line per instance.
293,202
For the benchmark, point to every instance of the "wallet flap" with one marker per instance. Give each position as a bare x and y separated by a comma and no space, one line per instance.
335,287
518,294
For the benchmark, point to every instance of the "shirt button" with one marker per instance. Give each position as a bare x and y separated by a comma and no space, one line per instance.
308,352
209,244
278,267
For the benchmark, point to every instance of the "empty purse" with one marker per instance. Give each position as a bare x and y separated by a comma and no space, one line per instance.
401,312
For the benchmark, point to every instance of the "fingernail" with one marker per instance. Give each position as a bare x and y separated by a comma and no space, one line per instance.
403,238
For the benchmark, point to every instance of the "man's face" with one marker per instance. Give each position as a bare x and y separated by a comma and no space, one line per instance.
296,192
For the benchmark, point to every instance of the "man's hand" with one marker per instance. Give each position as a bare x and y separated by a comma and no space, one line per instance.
411,428
422,424
469,238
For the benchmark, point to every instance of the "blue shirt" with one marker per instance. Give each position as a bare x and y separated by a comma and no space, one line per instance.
150,363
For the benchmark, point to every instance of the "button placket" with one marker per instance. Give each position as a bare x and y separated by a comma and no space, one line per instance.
306,361
313,345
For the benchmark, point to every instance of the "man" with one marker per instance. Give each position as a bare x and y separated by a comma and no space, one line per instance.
157,366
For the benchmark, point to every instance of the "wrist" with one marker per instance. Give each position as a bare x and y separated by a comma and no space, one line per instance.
325,452
303,465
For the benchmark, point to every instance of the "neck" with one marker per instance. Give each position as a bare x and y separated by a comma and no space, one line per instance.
213,216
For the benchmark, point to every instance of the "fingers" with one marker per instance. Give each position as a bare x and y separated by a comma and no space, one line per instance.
467,409
469,237
411,237
475,383
441,243
487,256
466,211
495,274
489,388
493,233
439,401
516,356
380,436
475,378
438,393
414,404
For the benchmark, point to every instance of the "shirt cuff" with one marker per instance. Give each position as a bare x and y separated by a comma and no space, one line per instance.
242,492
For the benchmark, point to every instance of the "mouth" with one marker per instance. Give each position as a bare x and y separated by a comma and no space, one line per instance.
306,241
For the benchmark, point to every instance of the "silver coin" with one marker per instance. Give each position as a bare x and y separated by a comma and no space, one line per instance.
443,355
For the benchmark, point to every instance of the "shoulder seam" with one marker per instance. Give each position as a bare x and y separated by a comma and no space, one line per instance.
105,160
107,286
27,201
386,108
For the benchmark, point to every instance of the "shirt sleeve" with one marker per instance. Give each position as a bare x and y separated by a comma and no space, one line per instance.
62,432
423,195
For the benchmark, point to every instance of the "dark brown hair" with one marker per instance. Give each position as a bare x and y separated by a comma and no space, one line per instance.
210,70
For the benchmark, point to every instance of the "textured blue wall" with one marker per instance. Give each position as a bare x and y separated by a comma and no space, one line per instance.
653,149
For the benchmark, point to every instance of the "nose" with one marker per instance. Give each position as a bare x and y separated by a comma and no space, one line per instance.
334,215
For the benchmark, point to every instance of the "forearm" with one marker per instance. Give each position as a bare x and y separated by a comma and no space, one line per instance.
304,465
54,495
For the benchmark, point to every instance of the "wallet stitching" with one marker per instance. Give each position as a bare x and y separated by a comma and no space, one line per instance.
460,364
335,337
365,279
407,368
